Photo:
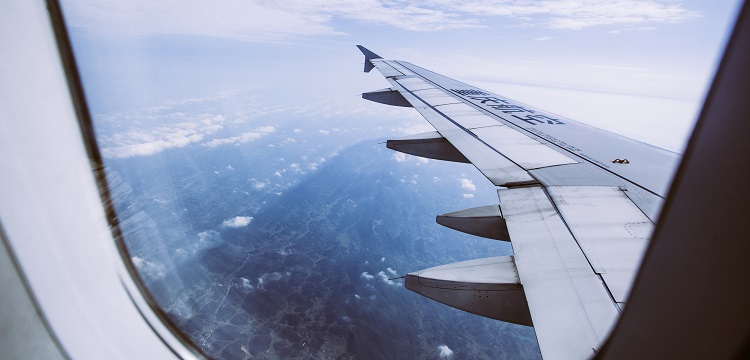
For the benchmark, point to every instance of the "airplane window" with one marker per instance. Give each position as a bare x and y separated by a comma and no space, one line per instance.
255,197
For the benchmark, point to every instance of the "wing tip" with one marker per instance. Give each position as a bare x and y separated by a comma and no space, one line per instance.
368,54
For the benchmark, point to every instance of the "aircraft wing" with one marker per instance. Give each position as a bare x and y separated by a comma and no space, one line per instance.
577,203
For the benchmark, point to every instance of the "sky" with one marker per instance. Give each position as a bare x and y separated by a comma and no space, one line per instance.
636,67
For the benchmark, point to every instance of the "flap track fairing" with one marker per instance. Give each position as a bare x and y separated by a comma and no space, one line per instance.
487,287
484,221
430,145
387,96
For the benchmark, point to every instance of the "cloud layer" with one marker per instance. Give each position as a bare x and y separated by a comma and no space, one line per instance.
242,138
176,124
262,20
145,142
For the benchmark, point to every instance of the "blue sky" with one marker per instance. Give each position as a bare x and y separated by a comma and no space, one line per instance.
635,67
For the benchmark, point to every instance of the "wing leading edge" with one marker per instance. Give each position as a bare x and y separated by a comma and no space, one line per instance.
577,204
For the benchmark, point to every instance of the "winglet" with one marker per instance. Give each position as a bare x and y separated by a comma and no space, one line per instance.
368,55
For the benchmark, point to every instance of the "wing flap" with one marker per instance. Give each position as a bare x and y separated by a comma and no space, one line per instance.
492,164
414,84
570,308
523,150
496,167
610,229
436,97
466,116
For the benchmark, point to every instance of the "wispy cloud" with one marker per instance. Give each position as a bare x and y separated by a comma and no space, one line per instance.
365,275
242,138
613,67
577,14
149,268
257,20
385,278
261,20
259,185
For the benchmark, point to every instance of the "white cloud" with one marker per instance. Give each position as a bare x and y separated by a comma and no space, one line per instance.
467,184
246,283
382,259
444,352
206,239
148,268
255,20
324,132
399,156
543,38
237,221
259,185
281,20
393,272
242,138
357,296
229,167
298,130
272,276
385,278
295,167
468,196
577,14
365,275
